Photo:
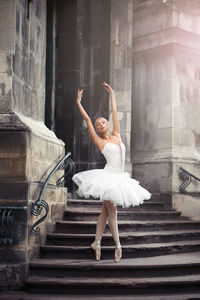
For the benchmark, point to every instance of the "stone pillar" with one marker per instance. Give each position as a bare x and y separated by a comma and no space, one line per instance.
186,104
28,149
82,62
121,66
100,42
166,102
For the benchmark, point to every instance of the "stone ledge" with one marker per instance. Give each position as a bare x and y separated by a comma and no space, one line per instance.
163,51
165,156
164,37
16,121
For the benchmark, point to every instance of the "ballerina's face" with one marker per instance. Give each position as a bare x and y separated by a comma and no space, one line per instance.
101,125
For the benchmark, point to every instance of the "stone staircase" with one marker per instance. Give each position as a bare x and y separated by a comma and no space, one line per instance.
161,256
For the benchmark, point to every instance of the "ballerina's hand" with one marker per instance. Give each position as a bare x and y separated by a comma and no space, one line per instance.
107,87
79,95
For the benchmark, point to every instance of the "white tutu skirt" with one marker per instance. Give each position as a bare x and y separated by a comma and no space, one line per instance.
118,188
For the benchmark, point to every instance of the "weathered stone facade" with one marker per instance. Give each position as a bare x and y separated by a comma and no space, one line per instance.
100,49
28,149
121,67
85,64
147,49
165,127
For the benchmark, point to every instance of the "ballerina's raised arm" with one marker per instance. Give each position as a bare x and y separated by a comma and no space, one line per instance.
95,138
101,124
116,127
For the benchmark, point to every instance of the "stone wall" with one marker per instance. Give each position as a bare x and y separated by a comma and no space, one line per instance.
100,39
28,149
165,125
121,66
29,59
7,42
85,26
152,101
186,104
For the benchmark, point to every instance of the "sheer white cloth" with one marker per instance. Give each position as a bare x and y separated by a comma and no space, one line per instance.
111,183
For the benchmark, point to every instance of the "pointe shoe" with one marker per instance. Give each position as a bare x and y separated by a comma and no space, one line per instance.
118,252
96,246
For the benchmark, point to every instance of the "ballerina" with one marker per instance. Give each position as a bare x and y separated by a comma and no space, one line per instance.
111,185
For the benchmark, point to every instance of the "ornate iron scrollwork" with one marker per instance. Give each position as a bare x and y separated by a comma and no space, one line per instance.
36,211
68,166
185,176
6,220
41,205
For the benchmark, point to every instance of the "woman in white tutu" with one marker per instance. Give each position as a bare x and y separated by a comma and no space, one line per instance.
111,185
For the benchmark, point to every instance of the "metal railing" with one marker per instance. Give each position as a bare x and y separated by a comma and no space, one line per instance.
41,205
186,176
6,220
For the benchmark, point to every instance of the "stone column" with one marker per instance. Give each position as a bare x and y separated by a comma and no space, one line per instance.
100,42
166,102
121,66
82,62
28,149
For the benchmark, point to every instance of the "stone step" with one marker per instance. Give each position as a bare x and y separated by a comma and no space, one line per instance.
158,246
129,251
102,286
127,226
35,296
68,239
92,204
80,215
168,265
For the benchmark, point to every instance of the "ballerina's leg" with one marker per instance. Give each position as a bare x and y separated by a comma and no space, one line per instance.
112,220
102,220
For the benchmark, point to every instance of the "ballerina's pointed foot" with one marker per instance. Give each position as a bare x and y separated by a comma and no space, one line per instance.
118,252
96,246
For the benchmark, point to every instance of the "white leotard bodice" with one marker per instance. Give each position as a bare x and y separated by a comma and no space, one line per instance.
115,157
